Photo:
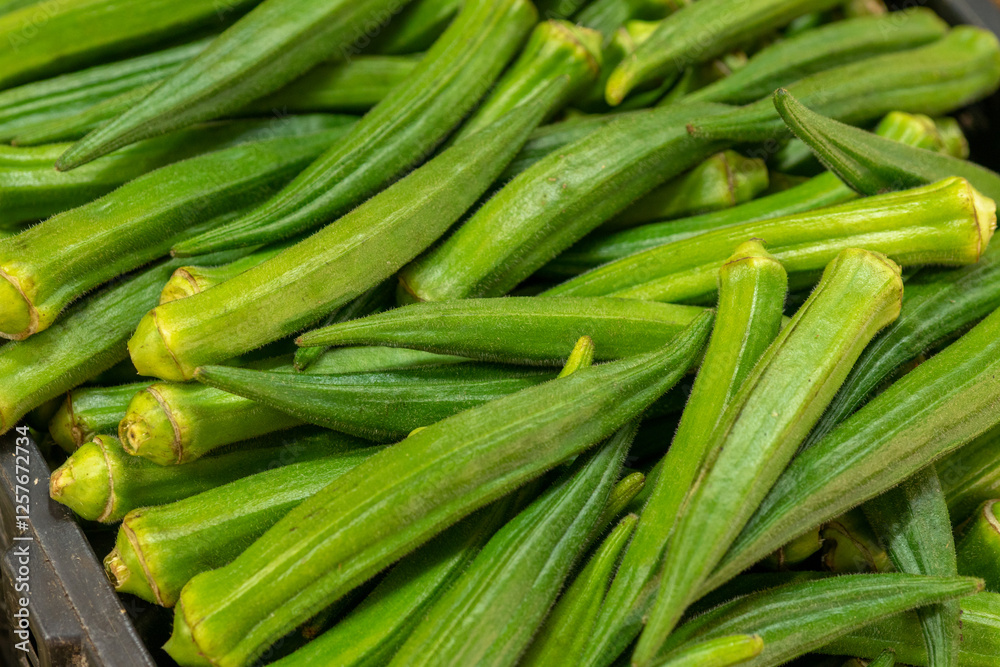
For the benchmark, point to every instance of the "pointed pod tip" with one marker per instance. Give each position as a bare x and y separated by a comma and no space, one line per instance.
619,84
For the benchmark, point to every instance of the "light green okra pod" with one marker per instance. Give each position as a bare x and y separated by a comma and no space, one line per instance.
55,262
288,39
722,652
932,411
912,522
410,492
979,548
490,614
90,411
564,634
752,289
524,330
332,267
764,424
797,618
680,40
398,133
948,222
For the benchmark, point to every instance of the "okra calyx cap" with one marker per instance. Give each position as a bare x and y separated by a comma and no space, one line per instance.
83,482
18,316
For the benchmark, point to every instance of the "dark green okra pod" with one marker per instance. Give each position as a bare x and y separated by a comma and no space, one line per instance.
608,15
948,222
680,40
333,266
764,424
901,635
465,462
160,548
523,330
971,476
288,39
398,133
912,522
100,481
752,288
90,411
932,411
417,27
383,406
831,45
979,548
55,262
797,618
490,614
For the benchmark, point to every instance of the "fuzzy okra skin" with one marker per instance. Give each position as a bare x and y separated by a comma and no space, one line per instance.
979,548
55,262
100,481
417,27
383,406
932,411
160,548
766,421
60,42
720,182
333,266
947,222
722,652
374,631
901,634
797,618
522,330
912,522
971,476
831,45
288,39
752,290
67,94
872,164
554,203
398,133
680,40
89,411
566,631
410,492
489,615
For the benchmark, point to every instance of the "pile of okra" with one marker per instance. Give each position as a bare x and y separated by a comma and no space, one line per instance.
490,332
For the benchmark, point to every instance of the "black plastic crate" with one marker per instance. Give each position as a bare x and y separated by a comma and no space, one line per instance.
74,616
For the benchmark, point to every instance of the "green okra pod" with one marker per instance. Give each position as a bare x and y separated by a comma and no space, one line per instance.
398,133
550,138
680,40
948,223
971,476
90,411
100,481
872,164
850,546
383,406
170,423
53,263
752,288
416,27
49,37
766,421
886,659
67,94
608,15
555,51
912,522
375,630
160,548
333,266
797,618
482,454
563,636
930,412
524,330
830,45
721,652
625,492
901,635
796,552
979,548
720,182
490,614
10,5
555,202
32,189
288,40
